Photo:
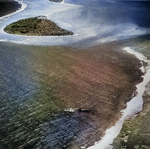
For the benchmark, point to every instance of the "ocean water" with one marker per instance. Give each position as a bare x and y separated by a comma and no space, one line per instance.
31,113
24,121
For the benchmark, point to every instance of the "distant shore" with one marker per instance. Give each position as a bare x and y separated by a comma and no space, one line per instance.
56,1
8,7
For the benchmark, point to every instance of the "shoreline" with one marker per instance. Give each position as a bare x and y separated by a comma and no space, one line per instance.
135,129
133,107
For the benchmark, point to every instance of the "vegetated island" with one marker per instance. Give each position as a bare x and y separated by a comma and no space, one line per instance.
36,26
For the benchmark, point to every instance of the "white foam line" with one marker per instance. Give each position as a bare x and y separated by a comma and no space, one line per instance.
23,6
133,106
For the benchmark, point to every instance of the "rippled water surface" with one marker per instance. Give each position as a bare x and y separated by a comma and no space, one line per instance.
31,113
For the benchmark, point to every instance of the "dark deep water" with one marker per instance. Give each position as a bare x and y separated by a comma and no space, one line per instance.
115,11
23,124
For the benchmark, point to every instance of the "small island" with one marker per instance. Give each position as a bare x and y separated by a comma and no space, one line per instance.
36,26
59,1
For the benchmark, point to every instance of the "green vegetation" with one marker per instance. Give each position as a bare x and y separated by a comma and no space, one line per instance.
37,26
134,134
129,129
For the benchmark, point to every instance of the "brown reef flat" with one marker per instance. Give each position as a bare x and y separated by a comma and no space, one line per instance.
100,79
